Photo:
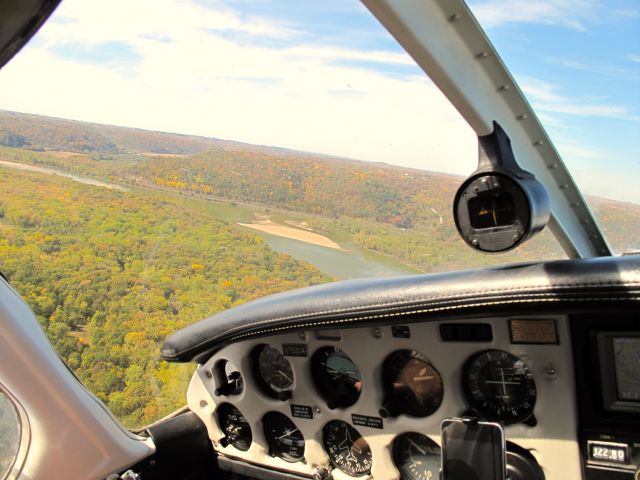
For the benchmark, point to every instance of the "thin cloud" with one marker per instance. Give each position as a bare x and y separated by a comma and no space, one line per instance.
546,97
617,70
633,57
566,13
200,81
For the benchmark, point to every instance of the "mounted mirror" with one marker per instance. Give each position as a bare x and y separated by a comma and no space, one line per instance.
500,205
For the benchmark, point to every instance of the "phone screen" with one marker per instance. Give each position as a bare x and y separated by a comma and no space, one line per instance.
473,450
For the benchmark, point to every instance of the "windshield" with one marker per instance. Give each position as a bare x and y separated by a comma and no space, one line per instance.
303,146
578,62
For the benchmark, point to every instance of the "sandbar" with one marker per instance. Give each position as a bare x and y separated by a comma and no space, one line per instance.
267,226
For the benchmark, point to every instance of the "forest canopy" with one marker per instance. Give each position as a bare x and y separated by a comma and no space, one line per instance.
110,275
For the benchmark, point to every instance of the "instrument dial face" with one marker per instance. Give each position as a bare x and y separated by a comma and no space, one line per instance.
499,386
416,456
412,384
336,377
284,438
235,427
347,449
273,372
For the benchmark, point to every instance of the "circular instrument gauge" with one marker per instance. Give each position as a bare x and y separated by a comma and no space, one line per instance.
412,385
521,465
235,427
499,386
416,456
273,372
284,438
336,377
347,449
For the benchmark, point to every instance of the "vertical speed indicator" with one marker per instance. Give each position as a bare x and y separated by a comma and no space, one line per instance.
499,386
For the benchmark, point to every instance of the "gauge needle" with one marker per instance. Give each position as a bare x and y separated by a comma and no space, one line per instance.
423,377
284,375
417,447
495,220
504,387
348,373
287,433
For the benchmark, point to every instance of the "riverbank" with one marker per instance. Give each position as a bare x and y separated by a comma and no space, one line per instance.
51,171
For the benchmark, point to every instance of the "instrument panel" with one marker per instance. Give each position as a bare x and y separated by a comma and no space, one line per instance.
368,402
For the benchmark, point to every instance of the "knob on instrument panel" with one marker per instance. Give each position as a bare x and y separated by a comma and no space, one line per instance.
521,465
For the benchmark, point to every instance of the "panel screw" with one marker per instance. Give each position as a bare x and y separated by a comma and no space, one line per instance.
503,88
318,411
377,333
208,374
203,404
302,336
551,373
522,117
455,17
538,142
482,55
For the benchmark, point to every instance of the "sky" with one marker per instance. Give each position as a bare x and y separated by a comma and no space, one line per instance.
326,77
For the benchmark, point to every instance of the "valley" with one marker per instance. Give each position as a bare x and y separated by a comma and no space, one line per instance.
116,237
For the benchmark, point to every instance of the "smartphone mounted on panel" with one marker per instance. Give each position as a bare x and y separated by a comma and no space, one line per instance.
472,449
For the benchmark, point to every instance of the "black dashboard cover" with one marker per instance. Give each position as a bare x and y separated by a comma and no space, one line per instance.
604,283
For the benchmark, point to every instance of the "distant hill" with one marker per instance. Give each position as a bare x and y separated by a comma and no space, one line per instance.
38,132
401,212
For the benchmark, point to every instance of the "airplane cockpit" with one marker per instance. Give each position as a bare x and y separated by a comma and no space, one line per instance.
526,371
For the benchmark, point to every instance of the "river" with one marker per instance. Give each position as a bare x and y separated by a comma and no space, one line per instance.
51,171
352,262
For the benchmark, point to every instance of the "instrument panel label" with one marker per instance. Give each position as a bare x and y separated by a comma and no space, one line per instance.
301,411
366,421
538,332
295,350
